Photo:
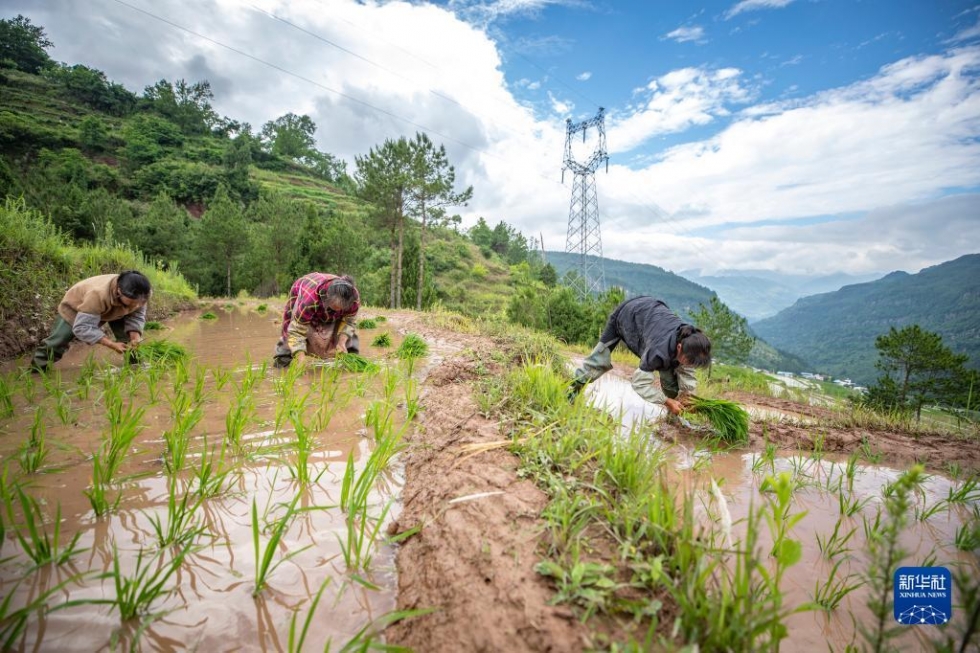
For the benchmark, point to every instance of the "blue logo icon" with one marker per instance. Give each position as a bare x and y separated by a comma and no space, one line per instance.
923,596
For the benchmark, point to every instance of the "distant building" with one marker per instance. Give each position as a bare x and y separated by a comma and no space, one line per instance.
790,374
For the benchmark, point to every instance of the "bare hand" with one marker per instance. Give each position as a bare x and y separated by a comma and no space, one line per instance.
119,347
674,406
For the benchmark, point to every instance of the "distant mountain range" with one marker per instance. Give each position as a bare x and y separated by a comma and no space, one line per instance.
682,295
835,332
759,294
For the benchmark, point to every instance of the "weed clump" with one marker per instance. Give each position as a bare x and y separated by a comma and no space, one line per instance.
209,316
355,363
728,418
158,352
382,340
369,323
413,346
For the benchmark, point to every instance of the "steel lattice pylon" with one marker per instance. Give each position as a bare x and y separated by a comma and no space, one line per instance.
584,237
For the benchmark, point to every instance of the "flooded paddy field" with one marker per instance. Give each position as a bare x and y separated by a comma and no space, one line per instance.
836,500
217,505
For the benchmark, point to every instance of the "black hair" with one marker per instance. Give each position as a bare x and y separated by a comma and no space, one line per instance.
343,288
134,285
695,345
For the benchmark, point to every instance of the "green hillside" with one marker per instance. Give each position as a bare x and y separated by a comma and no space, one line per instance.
639,279
836,331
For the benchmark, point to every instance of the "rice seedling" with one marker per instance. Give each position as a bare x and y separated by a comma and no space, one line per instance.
350,362
181,528
305,444
965,493
829,594
295,642
158,352
411,398
413,346
153,325
872,455
28,388
371,636
380,319
6,395
368,323
264,565
184,415
221,377
211,475
135,594
968,537
41,548
97,492
382,340
836,543
766,460
729,420
62,408
34,452
236,419
200,384
262,308
209,316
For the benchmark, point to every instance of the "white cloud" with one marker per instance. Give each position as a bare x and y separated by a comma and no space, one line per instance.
675,102
685,34
753,5
966,34
584,76
883,151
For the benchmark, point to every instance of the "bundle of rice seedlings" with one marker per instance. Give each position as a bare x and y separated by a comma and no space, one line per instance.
368,324
209,316
382,340
728,418
380,318
261,308
413,347
158,352
354,363
153,326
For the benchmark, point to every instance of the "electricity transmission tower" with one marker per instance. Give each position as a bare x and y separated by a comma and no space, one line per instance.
584,238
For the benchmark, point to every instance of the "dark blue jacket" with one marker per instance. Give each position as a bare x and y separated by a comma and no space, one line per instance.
648,328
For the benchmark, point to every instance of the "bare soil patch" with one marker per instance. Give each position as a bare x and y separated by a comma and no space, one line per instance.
473,559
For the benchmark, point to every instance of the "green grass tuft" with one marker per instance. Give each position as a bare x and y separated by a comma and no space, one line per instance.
413,346
382,340
153,326
728,418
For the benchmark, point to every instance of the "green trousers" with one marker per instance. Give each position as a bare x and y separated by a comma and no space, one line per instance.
55,345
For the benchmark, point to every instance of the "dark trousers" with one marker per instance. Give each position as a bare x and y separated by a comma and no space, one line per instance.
55,345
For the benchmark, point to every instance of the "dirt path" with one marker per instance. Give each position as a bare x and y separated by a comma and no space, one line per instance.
474,558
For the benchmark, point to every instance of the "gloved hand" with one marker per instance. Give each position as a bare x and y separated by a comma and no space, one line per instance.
574,388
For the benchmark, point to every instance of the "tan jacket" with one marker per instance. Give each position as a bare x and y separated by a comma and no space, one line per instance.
95,296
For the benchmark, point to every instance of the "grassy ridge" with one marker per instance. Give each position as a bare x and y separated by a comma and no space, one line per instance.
38,264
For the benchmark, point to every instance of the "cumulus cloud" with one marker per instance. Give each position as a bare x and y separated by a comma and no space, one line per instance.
584,76
685,34
753,5
675,101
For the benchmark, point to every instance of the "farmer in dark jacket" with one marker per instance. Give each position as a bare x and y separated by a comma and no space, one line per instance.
321,307
118,300
663,342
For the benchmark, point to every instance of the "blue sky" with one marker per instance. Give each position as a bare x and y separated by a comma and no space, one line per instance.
802,136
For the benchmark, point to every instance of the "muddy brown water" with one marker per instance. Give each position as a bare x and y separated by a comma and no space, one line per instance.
212,607
740,485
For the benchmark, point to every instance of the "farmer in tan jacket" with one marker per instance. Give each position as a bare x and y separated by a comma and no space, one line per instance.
117,299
